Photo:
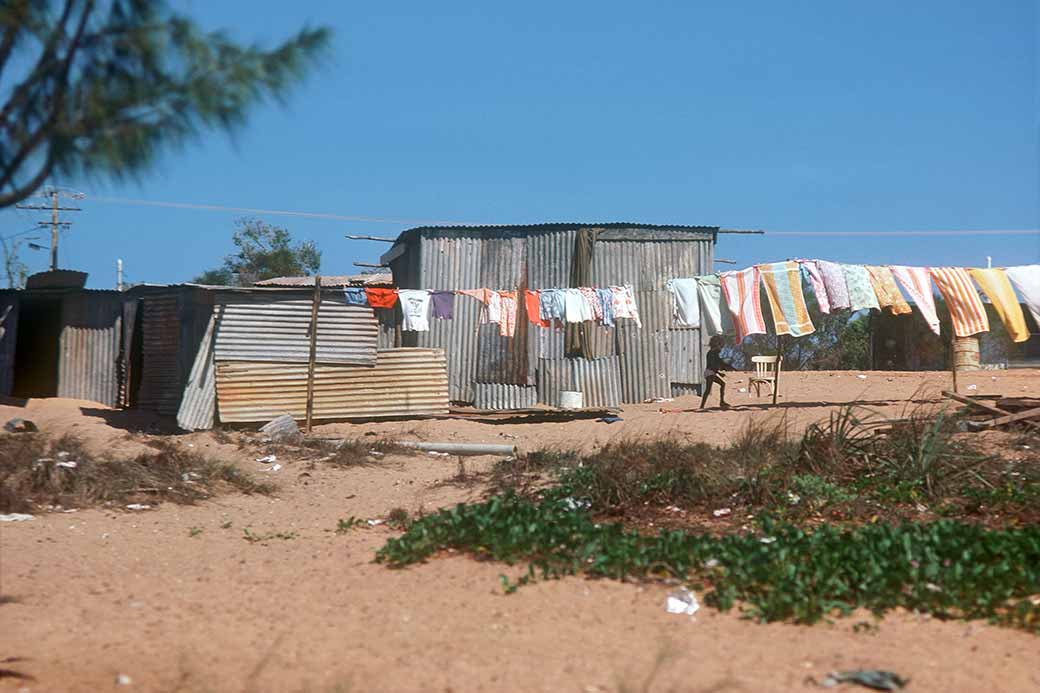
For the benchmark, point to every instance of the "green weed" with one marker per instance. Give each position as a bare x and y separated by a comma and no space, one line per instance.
947,568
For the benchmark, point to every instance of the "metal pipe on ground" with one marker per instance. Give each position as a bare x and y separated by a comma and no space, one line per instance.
461,449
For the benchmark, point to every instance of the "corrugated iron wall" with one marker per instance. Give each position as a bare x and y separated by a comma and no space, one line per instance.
198,403
403,382
160,390
631,364
253,328
8,341
89,347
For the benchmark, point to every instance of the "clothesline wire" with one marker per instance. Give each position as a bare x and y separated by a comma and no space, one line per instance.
442,222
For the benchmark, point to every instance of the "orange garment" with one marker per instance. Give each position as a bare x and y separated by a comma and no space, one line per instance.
533,304
381,298
962,300
888,294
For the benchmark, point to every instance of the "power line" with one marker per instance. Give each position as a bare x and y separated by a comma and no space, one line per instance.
275,212
442,222
949,232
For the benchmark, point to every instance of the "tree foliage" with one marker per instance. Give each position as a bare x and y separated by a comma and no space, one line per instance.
263,252
100,87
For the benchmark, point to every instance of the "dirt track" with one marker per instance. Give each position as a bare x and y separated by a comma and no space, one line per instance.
102,593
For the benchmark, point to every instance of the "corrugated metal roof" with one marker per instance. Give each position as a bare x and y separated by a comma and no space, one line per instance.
198,404
267,329
404,382
332,281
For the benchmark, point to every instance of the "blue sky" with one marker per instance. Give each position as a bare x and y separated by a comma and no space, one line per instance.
796,116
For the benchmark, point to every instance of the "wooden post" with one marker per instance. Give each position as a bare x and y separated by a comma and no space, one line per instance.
315,304
779,365
953,359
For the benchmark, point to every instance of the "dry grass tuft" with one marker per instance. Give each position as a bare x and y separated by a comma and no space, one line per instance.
38,471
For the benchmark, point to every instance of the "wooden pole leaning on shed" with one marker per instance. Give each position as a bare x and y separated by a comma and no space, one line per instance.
315,304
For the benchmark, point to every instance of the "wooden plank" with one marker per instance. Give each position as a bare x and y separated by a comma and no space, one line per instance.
1010,418
974,403
985,407
315,305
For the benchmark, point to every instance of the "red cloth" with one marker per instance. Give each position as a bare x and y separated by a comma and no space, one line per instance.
381,298
534,309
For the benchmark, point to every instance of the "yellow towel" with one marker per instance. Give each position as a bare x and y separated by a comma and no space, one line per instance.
995,284
888,295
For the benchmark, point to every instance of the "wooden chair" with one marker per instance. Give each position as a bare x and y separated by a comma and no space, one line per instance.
767,372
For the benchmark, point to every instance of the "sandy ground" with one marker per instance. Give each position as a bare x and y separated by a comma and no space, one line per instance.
177,600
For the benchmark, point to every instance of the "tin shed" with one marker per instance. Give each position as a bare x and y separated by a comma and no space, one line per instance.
610,365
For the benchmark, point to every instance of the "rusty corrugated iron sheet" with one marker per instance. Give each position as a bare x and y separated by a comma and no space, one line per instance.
504,396
598,379
198,403
549,256
160,377
458,339
403,382
89,347
8,341
264,328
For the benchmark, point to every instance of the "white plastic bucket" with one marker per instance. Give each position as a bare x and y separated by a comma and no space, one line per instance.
570,399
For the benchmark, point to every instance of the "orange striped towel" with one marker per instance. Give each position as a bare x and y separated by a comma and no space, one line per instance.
888,295
962,300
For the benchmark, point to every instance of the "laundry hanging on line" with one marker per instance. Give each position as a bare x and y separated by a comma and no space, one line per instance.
918,284
741,291
783,285
962,299
886,291
685,302
1026,278
415,309
996,285
710,290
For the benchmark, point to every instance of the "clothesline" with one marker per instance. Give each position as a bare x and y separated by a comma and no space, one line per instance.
836,286
839,286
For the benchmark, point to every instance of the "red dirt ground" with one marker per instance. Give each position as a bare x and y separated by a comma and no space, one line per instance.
99,593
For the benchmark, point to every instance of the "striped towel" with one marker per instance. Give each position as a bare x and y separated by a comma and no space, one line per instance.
834,282
740,289
962,300
918,284
783,283
995,284
887,292
710,290
861,291
812,273
1026,279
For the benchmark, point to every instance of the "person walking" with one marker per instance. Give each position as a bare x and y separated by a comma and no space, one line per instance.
714,371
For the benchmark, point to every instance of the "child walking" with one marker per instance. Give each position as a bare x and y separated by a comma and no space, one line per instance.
714,371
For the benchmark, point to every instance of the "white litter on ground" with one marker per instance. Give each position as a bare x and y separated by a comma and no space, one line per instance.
682,601
15,517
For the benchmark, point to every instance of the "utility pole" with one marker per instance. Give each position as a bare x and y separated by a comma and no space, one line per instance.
55,223
119,274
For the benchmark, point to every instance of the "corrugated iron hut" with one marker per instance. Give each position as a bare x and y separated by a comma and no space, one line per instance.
610,365
208,354
61,341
